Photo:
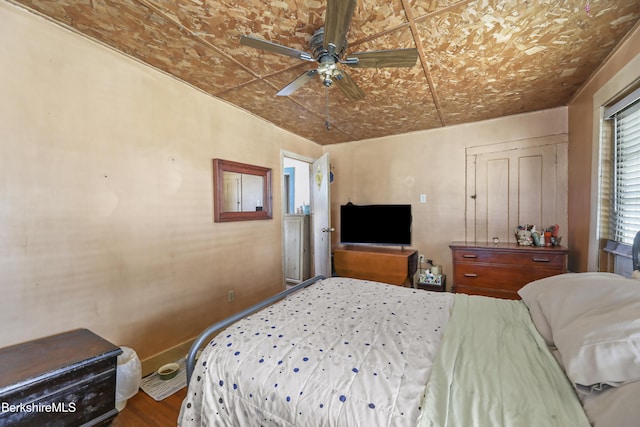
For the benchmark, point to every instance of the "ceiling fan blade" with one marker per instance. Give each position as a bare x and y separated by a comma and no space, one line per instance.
297,83
336,23
384,58
273,47
349,87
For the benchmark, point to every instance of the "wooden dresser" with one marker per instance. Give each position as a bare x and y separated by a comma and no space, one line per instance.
500,270
67,379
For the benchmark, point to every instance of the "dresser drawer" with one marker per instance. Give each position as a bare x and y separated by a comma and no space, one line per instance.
495,293
505,278
529,258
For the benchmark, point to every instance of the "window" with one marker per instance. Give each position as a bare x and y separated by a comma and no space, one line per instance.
624,217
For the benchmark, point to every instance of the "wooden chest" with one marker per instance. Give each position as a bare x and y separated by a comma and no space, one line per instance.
67,379
500,270
387,265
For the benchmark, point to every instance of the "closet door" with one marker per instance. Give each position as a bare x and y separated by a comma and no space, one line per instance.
518,183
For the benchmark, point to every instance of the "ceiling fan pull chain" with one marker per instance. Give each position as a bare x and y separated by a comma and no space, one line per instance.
327,123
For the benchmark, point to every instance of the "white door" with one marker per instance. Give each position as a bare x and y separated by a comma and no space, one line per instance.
231,191
513,184
321,216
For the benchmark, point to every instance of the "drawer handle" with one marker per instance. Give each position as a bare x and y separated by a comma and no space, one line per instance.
469,256
470,275
541,260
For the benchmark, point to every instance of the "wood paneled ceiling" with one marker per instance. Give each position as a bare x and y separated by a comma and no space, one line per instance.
477,59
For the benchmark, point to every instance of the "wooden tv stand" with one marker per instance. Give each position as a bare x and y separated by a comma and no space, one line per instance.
387,265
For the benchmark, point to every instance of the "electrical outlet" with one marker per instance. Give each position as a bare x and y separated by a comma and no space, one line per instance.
231,296
421,259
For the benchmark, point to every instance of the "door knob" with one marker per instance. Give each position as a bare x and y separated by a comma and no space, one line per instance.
328,230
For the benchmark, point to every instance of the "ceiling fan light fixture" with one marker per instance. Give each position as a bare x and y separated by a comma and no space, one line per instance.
328,44
327,70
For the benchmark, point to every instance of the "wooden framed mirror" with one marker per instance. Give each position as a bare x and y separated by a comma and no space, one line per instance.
241,192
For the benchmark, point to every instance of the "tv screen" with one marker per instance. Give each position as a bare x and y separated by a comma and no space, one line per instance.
375,224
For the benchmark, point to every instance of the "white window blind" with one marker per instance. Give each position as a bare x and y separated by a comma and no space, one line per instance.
625,215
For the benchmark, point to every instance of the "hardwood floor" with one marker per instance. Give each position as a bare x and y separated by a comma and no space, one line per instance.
143,411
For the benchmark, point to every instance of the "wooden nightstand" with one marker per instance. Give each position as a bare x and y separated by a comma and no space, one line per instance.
65,379
500,270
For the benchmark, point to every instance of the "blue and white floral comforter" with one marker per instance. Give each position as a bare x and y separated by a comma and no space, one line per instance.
343,352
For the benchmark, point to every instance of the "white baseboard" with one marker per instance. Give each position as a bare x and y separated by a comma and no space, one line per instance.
173,354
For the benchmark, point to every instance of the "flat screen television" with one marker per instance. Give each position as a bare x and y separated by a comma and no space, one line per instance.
375,224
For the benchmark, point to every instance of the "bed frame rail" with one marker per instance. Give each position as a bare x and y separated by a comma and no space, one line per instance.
206,335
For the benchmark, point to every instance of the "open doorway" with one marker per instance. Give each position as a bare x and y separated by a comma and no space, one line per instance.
296,192
297,195
307,217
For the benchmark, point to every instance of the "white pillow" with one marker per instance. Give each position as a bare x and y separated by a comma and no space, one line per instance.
531,292
594,320
615,407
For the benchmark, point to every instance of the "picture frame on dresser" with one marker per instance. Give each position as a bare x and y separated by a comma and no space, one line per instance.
501,269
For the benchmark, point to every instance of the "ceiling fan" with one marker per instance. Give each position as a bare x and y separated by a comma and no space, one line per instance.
328,45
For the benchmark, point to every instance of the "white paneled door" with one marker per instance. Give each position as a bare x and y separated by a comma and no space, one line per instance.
516,183
321,216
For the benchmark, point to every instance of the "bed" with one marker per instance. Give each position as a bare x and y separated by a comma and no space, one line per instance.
343,352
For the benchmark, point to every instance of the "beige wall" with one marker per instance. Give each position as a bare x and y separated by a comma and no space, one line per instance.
106,195
620,71
398,169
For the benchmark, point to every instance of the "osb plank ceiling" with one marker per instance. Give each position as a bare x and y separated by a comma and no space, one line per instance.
476,59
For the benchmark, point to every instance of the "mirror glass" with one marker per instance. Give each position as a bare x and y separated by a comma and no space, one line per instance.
241,192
